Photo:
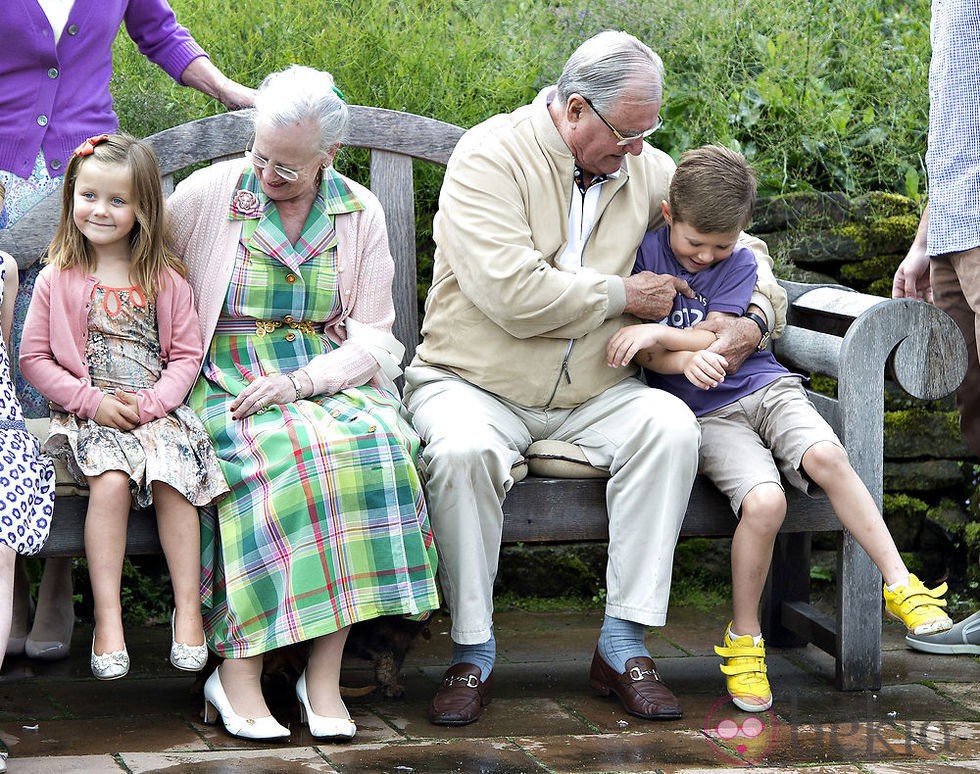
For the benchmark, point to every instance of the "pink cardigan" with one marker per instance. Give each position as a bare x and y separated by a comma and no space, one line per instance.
52,350
208,242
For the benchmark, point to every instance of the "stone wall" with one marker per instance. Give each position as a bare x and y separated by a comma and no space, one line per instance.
930,478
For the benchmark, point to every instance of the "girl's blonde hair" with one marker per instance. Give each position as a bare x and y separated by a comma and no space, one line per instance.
150,252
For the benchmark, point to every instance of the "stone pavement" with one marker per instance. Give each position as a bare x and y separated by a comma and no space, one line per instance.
544,718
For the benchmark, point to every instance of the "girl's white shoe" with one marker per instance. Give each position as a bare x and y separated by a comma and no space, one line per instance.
322,727
111,665
190,658
216,703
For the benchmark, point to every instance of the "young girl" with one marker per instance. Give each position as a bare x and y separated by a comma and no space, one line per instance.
26,478
112,341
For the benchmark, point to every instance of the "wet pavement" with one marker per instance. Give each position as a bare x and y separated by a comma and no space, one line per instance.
544,718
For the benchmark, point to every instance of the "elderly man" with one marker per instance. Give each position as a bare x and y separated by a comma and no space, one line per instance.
540,216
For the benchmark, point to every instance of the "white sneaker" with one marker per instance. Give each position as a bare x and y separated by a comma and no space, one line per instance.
964,637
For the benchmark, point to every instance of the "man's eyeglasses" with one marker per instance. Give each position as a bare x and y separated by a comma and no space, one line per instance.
260,162
623,140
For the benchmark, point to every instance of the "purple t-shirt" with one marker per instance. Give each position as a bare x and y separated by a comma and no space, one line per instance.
725,287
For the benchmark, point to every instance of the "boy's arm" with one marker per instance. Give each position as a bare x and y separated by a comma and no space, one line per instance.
653,344
679,349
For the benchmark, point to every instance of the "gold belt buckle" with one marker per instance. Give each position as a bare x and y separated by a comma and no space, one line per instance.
305,326
262,327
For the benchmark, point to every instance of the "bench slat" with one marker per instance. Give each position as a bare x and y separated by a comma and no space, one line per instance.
832,330
393,183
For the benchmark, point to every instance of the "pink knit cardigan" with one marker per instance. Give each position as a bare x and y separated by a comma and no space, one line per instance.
52,350
208,242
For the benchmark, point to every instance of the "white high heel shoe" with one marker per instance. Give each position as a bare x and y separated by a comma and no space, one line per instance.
216,702
322,727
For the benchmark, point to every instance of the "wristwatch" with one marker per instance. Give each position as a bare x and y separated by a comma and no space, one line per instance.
763,329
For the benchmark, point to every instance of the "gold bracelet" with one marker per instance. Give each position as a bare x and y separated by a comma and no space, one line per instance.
295,383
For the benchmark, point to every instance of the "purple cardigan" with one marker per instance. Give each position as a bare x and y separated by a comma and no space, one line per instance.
53,98
52,351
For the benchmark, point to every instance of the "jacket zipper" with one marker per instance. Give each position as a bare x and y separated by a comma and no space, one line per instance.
564,372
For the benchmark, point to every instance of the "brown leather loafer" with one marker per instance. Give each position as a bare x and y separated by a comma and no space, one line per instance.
461,696
639,688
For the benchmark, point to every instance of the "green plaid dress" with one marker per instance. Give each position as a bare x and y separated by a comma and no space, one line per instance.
325,524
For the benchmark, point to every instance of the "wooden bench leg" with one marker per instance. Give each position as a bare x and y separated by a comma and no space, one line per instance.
788,582
858,618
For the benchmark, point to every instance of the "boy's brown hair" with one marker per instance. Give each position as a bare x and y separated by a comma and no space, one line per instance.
713,190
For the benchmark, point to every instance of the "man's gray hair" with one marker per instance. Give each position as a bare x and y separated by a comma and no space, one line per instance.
298,93
609,64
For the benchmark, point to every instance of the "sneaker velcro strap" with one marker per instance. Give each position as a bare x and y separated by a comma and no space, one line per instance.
737,651
744,666
924,598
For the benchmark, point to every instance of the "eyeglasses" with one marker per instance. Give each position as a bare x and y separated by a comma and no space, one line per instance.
623,140
261,162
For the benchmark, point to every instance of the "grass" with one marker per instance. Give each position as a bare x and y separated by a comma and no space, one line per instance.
819,94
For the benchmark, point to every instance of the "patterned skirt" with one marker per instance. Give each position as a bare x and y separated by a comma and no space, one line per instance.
173,450
325,524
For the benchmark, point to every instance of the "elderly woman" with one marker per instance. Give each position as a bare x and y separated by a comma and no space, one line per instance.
325,524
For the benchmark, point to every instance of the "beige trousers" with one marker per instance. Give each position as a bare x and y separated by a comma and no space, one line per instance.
955,280
647,439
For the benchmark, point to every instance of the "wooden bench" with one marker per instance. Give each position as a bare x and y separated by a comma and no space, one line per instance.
855,338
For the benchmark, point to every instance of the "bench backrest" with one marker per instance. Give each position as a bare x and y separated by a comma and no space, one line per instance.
850,336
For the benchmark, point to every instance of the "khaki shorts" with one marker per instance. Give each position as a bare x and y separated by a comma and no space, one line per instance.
753,440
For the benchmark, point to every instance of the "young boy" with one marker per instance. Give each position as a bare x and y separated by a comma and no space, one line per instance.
755,423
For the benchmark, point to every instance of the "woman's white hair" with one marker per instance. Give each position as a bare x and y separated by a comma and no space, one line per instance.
608,65
298,93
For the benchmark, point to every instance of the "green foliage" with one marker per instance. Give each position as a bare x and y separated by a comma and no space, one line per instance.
701,579
827,94
825,385
820,94
903,503
971,535
146,594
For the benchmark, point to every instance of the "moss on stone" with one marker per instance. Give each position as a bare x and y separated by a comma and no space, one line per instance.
971,536
902,503
919,432
872,269
825,385
949,516
879,235
884,204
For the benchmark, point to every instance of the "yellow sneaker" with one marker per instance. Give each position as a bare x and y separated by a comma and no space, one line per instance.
919,608
745,672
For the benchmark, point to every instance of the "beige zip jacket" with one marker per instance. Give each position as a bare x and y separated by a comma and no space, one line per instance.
502,313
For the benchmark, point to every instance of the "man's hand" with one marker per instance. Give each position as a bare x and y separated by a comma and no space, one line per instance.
650,296
738,338
117,413
912,276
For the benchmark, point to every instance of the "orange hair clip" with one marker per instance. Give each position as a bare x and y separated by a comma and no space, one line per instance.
87,148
